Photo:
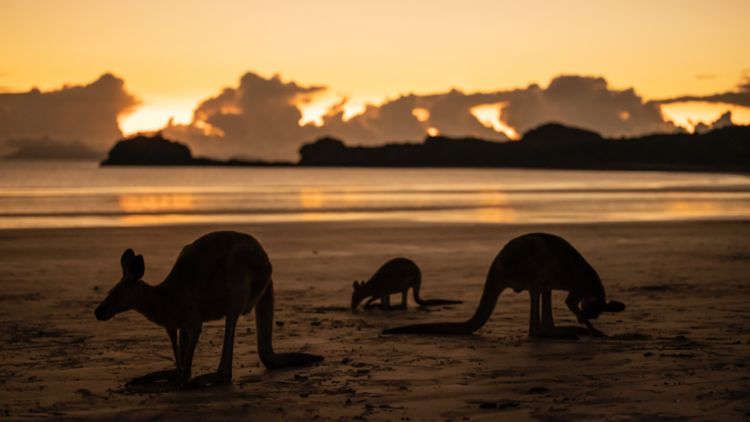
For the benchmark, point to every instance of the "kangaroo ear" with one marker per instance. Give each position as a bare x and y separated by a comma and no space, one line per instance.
614,306
137,267
125,260
356,285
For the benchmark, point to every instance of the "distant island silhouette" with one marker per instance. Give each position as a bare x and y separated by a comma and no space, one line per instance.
156,151
550,146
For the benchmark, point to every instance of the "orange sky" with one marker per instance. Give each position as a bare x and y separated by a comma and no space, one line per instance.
174,54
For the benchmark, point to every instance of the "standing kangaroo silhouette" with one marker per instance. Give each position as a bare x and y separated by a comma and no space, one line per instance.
222,274
395,276
539,263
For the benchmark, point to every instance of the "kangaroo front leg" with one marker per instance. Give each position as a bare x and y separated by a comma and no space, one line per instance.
547,319
367,304
188,341
548,322
168,375
572,301
385,301
535,327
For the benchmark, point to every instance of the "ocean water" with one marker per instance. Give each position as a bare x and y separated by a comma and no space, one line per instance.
38,194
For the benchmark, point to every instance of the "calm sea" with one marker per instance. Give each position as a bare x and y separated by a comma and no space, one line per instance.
80,194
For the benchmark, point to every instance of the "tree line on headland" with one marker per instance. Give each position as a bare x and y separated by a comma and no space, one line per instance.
551,146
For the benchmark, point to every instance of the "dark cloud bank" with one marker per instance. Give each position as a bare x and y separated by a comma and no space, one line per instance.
259,119
72,122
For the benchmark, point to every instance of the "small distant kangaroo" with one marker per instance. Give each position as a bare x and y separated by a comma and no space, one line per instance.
222,274
539,263
395,276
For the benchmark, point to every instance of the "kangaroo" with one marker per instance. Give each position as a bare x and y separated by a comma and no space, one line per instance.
395,276
539,263
222,274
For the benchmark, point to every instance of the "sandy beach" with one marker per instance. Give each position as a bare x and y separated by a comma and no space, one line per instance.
679,352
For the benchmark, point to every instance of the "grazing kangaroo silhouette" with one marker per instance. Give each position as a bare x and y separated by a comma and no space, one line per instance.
222,274
539,263
395,276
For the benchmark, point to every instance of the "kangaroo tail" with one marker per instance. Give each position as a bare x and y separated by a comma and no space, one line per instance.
434,302
264,325
455,328
492,289
428,302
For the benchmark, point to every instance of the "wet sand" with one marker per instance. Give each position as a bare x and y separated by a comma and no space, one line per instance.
678,352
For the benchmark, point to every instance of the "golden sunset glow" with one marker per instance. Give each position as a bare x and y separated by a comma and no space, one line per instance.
156,220
705,209
359,54
689,114
489,116
493,198
432,131
421,114
495,215
155,203
151,117
311,198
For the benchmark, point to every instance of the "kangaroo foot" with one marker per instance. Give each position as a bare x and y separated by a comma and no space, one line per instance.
207,379
575,329
169,375
596,333
555,333
567,335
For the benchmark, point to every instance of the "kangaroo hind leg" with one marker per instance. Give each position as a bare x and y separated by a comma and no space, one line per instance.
404,299
402,305
537,328
244,288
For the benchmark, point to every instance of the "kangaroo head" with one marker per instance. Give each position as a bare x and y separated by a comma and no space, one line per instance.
123,297
357,295
592,307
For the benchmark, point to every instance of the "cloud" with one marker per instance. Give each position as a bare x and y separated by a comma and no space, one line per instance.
572,100
585,102
258,119
450,114
741,97
725,120
86,114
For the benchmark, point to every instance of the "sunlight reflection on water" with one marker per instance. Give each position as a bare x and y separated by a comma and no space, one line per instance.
83,195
